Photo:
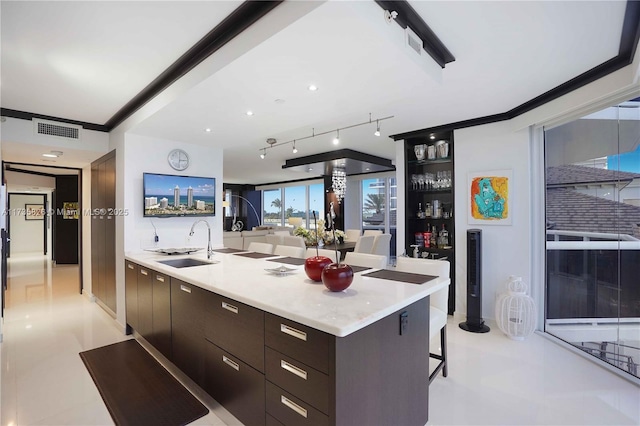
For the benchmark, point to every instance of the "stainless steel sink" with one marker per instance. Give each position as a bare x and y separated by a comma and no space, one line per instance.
185,263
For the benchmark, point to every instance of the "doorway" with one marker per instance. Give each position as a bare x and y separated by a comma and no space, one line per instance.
27,220
56,192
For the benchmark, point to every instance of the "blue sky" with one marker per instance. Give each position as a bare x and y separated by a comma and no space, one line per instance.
629,161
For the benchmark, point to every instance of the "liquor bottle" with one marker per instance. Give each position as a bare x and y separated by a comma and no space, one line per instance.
443,238
420,213
434,237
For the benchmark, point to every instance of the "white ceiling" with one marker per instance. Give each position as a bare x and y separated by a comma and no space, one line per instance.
85,60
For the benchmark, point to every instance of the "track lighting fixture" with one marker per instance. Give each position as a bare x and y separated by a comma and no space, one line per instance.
273,142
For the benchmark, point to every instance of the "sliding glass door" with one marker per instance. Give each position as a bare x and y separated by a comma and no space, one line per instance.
592,173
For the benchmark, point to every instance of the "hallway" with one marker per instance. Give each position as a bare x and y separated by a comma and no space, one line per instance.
492,380
47,323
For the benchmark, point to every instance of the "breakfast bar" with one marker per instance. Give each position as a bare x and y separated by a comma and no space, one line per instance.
277,348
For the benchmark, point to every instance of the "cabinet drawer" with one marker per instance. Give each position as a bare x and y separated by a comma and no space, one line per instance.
305,382
298,341
235,385
292,411
236,328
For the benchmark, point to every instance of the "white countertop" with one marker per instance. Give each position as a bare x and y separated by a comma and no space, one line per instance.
295,296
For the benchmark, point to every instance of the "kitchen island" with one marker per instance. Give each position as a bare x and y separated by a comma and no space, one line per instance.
278,349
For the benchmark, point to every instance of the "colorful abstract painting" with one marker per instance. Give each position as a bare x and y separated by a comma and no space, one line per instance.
489,194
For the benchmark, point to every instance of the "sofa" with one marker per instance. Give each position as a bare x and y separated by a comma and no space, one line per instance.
241,240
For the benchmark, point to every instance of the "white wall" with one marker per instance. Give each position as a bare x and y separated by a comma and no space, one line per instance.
27,236
143,154
505,249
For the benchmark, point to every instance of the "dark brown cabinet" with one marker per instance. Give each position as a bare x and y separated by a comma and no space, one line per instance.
235,385
187,319
145,303
265,369
103,230
372,376
131,294
161,314
237,328
430,208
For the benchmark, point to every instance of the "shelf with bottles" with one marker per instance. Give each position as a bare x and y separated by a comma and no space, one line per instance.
434,209
431,253
433,237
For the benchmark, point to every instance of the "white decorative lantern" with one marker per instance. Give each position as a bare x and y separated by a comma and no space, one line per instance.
516,311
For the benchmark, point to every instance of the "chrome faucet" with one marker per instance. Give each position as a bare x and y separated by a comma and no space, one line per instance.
209,249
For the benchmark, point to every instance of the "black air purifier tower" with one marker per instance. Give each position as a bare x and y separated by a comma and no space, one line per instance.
474,322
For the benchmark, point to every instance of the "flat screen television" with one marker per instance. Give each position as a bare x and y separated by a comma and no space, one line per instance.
173,195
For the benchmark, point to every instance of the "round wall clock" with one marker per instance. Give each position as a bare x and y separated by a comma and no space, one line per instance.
178,159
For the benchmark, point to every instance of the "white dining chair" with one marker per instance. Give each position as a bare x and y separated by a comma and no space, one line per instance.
274,240
438,304
331,254
352,234
364,259
290,251
372,232
364,244
294,241
257,247
382,245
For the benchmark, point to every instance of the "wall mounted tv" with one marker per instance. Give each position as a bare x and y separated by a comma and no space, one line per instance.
172,195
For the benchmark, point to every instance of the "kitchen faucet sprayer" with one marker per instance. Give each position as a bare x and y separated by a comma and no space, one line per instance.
209,249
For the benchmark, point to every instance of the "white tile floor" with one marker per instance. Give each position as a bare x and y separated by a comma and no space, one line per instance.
492,380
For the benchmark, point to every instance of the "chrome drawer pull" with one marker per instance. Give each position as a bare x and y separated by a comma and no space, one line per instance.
229,307
160,278
130,266
293,332
143,272
230,363
293,369
185,288
295,407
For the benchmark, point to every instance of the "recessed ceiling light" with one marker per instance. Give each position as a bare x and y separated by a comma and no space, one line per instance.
432,137
50,155
310,169
249,113
208,130
367,169
313,87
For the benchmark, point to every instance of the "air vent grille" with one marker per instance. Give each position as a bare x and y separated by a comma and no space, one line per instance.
59,130
413,41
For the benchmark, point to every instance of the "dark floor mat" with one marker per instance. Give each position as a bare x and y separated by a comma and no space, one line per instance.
137,389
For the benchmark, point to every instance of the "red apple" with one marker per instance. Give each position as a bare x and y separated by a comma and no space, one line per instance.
313,266
337,277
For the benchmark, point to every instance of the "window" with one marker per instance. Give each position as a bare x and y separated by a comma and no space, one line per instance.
272,207
316,203
293,205
592,172
379,205
296,205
